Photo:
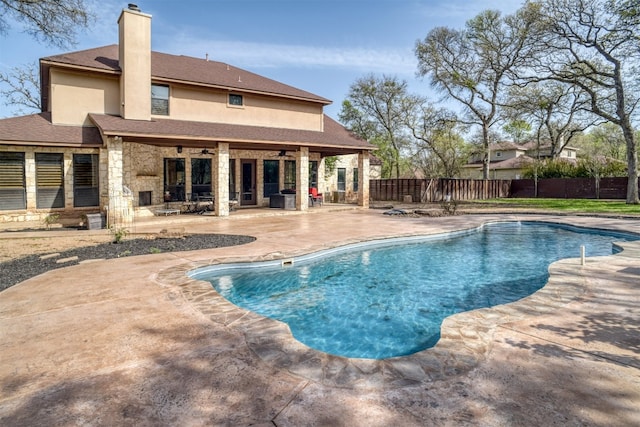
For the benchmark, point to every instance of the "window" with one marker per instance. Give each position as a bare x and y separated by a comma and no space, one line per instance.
160,100
85,180
270,177
313,174
49,180
200,176
12,181
290,174
342,179
355,180
498,154
173,179
236,100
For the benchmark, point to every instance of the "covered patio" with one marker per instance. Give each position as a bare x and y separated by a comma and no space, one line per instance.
226,165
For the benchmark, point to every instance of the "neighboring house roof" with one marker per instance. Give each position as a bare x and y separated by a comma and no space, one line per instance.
374,160
505,146
512,163
36,129
335,139
181,69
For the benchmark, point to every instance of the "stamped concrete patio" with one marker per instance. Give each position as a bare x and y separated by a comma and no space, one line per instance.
134,341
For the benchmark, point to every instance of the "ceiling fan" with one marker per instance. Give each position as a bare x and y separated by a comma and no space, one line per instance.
283,153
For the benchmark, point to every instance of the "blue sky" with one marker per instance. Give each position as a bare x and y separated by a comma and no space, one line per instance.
321,46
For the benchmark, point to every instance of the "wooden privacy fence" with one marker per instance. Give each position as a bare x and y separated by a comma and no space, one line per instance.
571,188
436,190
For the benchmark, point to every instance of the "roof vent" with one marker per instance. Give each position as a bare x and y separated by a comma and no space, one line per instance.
133,6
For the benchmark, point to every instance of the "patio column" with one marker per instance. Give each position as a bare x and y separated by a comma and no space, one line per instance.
363,179
119,209
221,179
302,179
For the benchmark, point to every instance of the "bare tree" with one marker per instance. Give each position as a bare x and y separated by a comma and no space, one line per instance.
439,149
377,107
53,22
22,88
472,65
594,45
558,111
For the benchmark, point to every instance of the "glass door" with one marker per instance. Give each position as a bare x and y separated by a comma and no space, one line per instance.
248,180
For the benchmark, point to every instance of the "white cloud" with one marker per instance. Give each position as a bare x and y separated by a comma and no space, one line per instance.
265,55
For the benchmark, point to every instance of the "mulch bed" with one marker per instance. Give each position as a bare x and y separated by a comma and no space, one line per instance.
18,270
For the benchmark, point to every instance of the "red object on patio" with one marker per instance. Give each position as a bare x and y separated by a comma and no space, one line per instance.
315,196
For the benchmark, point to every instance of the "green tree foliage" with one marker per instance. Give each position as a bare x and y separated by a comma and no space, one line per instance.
375,110
594,46
519,130
472,66
592,167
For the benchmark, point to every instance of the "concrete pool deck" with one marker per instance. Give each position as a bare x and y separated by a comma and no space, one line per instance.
134,341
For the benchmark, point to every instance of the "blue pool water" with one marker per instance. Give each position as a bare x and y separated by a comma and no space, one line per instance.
389,300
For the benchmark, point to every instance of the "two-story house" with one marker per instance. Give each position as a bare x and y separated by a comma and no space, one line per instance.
508,160
124,130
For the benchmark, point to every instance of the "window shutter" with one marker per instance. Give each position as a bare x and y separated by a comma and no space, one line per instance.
85,180
12,181
49,180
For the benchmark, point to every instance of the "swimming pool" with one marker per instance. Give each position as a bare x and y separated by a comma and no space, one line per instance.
388,298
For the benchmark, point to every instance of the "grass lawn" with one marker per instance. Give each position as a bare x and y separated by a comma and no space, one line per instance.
568,205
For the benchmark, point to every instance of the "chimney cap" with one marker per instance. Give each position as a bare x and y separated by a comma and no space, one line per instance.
133,6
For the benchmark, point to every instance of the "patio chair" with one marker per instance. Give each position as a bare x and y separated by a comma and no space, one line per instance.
315,197
190,203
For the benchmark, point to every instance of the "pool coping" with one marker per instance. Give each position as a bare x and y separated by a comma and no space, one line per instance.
465,339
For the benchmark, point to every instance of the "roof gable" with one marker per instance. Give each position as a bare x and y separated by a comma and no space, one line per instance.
184,69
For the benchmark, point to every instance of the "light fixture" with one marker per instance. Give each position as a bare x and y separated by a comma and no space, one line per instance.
204,151
179,148
282,153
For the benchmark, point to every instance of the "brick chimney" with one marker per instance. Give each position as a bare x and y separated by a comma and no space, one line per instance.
135,62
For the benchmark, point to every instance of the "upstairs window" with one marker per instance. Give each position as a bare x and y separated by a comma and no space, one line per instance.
236,100
160,100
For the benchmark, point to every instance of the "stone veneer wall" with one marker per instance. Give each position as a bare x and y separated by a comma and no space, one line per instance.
349,162
143,170
32,213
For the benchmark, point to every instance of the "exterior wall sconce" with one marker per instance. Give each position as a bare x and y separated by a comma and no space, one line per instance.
179,148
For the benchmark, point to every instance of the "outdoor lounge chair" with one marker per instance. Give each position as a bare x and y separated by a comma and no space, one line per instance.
314,196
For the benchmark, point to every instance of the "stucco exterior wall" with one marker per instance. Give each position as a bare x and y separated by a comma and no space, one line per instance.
91,93
211,105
